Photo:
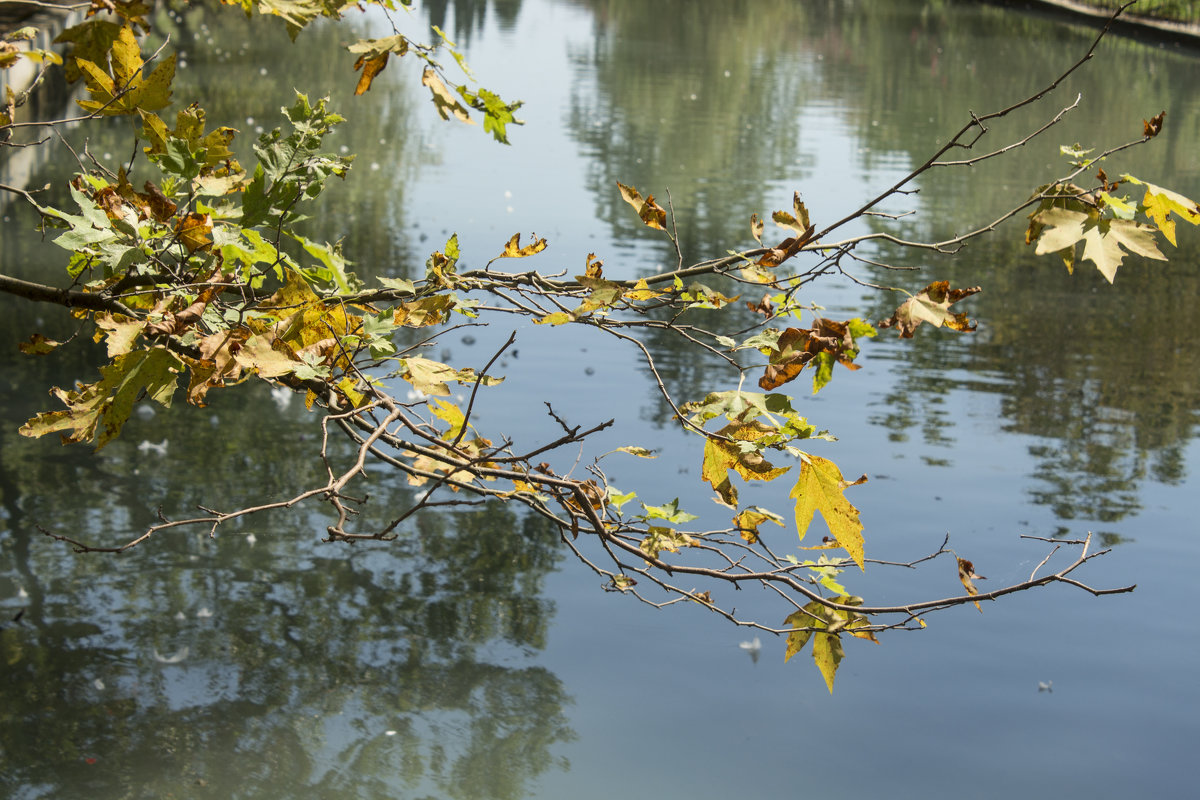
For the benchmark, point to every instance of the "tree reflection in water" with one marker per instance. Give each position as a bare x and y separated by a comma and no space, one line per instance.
301,671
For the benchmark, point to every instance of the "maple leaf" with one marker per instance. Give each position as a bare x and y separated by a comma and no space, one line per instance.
513,249
721,456
825,343
821,487
932,305
123,90
823,626
1153,127
1103,239
1159,204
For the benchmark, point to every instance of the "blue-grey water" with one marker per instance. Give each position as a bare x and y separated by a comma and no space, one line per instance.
473,658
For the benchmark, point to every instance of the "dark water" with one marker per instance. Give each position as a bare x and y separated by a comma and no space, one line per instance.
472,658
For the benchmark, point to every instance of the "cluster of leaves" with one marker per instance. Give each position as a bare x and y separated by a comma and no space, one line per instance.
194,274
1104,219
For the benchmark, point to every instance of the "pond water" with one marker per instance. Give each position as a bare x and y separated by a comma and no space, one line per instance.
473,658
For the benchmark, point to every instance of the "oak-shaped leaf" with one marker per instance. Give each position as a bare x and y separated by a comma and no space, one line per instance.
821,487
932,305
97,411
650,212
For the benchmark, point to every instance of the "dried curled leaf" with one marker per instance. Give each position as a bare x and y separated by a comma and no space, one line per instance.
932,305
650,212
966,573
1153,127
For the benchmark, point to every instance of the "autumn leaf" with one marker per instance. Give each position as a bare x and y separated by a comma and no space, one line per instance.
740,455
1103,239
38,345
371,67
966,573
593,267
823,626
513,249
798,221
650,212
194,231
1153,126
659,539
746,522
932,305
821,487
447,104
825,343
97,411
756,228
123,89
1159,204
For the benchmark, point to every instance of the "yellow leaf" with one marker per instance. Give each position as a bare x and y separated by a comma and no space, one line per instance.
821,487
827,655
556,318
966,571
642,291
513,249
747,522
721,455
1161,203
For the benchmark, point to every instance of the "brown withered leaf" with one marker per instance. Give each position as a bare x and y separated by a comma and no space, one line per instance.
1153,126
446,103
764,306
370,66
797,347
785,249
932,305
594,268
162,208
966,573
650,212
193,231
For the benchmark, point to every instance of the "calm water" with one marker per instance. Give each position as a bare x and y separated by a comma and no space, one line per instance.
472,658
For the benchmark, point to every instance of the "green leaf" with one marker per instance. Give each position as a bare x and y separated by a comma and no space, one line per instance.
669,511
97,411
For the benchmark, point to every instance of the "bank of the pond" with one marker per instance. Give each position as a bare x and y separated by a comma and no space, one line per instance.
1174,21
